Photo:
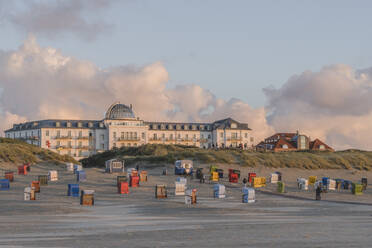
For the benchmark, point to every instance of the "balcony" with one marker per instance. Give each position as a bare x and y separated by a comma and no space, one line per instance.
67,137
62,137
82,147
82,137
62,147
123,139
234,139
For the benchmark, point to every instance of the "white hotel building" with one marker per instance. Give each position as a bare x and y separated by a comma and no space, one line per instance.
82,138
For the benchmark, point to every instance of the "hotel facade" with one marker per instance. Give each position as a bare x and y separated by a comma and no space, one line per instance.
120,127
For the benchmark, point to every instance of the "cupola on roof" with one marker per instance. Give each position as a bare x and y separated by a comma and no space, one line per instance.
119,111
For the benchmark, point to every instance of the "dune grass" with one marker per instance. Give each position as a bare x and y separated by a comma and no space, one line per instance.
360,160
18,152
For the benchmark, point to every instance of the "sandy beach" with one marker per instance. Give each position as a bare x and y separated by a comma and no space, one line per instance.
292,219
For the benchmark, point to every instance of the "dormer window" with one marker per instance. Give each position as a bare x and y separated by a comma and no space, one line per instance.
90,124
58,124
233,125
80,124
101,125
285,146
68,124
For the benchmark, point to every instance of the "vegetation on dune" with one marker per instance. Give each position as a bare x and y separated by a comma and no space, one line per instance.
349,159
16,151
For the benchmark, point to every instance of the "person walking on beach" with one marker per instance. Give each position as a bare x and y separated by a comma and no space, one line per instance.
202,178
317,193
245,182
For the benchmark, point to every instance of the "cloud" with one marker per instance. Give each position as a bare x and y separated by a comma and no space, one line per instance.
334,104
54,18
39,83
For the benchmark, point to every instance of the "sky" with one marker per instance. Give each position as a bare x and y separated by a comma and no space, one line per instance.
244,58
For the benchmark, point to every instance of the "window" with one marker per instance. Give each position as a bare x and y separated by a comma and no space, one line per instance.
80,153
69,134
80,133
171,136
233,125
58,133
103,146
69,153
155,136
122,135
114,135
102,136
143,135
321,147
187,136
194,136
163,136
80,144
179,136
221,135
68,124
302,142
58,143
246,135
202,136
114,144
209,136
285,146
69,144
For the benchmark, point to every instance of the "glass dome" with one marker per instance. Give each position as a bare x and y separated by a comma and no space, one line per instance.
119,111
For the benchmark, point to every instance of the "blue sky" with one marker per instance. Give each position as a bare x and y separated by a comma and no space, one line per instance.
233,48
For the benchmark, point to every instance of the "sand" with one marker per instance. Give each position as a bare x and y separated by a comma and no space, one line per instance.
292,219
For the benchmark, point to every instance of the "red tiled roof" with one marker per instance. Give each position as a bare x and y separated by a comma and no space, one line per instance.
314,145
281,142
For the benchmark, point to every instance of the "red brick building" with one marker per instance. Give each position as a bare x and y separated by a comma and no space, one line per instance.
282,142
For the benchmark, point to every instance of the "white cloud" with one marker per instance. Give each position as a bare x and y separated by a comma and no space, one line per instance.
54,17
41,83
334,104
